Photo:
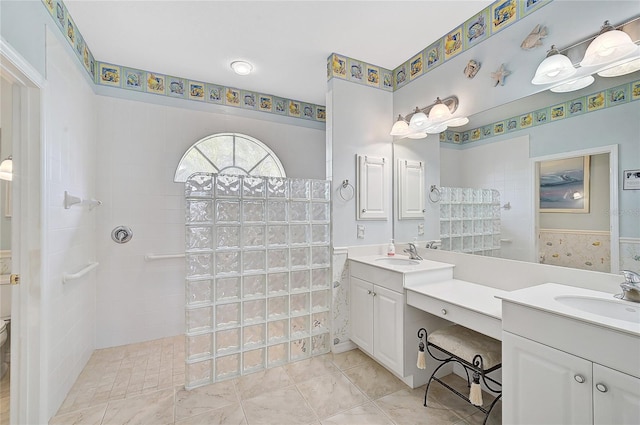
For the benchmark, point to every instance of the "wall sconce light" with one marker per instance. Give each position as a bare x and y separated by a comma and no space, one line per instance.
610,53
6,169
609,46
555,67
432,119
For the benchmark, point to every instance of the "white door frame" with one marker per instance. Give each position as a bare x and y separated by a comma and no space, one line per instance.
614,222
27,360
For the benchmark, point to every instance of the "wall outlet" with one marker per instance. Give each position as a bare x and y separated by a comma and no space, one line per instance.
421,229
360,231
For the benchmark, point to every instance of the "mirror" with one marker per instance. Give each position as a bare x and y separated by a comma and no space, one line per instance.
507,163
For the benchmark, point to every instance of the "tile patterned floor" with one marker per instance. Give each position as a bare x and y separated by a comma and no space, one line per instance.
4,399
144,384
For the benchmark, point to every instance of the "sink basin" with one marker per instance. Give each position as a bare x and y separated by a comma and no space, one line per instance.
612,309
396,261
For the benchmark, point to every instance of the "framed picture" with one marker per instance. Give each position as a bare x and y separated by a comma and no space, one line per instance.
631,180
564,185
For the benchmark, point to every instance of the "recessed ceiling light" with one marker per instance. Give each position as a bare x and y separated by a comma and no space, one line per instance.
241,67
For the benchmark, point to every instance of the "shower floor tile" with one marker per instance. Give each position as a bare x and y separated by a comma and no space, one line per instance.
144,384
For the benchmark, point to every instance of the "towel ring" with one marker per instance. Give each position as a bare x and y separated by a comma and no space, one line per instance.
346,190
434,194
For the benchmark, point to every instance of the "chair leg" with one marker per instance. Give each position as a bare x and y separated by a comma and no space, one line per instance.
491,408
431,379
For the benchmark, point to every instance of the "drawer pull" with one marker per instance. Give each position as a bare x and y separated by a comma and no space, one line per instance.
602,388
444,312
579,379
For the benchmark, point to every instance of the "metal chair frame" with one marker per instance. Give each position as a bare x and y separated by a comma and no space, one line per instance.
476,367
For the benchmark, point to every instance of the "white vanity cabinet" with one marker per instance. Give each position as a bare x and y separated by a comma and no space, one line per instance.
383,325
376,317
549,386
564,366
544,385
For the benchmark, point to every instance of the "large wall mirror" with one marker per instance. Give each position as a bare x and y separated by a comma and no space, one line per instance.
508,163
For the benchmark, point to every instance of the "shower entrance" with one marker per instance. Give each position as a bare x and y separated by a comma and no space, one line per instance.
258,273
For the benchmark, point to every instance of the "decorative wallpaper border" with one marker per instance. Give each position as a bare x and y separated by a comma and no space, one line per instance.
359,72
489,21
584,104
111,75
67,26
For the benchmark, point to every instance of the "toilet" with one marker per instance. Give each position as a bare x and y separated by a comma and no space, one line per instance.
4,356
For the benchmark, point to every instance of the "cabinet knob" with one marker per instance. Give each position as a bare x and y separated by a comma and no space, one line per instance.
364,210
602,388
369,292
444,312
579,379
374,294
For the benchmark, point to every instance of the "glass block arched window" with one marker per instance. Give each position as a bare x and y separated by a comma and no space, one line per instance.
229,153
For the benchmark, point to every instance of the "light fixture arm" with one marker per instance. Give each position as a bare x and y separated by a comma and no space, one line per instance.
451,102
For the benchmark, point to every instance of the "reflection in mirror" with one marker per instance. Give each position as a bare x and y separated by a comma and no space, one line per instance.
572,211
503,163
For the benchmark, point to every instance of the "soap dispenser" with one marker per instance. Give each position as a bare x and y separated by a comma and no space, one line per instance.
391,250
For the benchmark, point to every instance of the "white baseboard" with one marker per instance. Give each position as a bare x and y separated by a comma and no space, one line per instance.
343,346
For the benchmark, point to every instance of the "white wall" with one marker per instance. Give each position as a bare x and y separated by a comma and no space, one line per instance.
358,122
70,164
504,166
139,147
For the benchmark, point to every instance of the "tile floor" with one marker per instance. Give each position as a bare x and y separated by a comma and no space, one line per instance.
4,399
144,384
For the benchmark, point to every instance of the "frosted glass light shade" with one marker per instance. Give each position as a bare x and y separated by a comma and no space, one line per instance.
457,122
554,68
437,129
624,68
418,120
574,85
439,112
608,47
400,128
6,169
418,135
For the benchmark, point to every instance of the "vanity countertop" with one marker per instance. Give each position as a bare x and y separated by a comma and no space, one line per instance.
420,266
546,297
471,296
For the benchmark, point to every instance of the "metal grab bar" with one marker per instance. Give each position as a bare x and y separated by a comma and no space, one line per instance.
70,276
151,257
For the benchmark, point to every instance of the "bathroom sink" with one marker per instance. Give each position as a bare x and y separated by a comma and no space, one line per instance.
612,309
396,261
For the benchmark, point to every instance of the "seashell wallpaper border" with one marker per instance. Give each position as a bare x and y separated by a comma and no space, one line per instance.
121,77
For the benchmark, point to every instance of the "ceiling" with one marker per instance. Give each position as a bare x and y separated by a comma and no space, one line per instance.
288,42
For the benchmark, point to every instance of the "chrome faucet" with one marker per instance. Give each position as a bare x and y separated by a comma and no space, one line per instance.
432,244
630,287
413,252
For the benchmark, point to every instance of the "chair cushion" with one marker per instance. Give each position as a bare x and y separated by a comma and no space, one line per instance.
466,344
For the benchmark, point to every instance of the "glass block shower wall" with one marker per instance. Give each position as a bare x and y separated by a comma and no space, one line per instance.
470,220
258,274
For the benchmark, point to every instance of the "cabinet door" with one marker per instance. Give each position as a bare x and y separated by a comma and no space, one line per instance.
616,397
410,189
388,328
542,385
361,314
372,188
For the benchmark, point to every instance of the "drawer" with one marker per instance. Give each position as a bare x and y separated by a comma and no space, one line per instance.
468,318
381,277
